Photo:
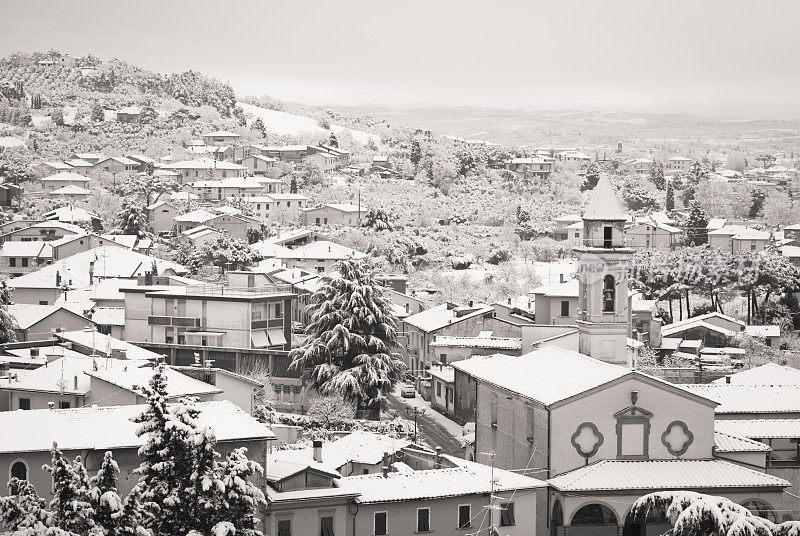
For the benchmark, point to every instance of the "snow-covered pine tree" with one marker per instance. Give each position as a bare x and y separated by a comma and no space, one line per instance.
22,509
670,197
70,509
242,497
696,513
166,462
697,225
104,498
351,338
204,494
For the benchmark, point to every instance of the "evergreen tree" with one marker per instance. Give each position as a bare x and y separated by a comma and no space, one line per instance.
258,126
697,225
132,219
591,177
757,198
166,462
670,202
204,483
377,219
70,507
416,153
293,185
22,510
332,141
657,174
223,252
106,502
351,338
242,497
97,114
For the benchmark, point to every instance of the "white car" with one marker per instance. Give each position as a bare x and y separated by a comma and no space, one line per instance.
407,391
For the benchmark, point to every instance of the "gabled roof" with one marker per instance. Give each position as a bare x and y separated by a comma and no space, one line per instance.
442,315
121,159
66,176
109,316
28,314
71,189
357,447
603,203
65,375
57,165
106,345
703,321
196,216
612,475
158,204
752,399
341,207
77,162
131,377
205,163
36,248
567,289
221,134
70,214
496,343
322,249
88,428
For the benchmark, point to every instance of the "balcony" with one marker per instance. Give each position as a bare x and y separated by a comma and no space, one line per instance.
178,321
605,243
264,324
222,290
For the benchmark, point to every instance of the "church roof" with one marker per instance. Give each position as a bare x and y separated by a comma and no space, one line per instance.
603,203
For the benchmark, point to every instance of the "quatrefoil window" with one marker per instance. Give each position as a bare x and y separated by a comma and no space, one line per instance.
587,439
677,438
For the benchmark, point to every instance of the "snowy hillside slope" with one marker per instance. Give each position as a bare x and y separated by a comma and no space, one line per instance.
283,123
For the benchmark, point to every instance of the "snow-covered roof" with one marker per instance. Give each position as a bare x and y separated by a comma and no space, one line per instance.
120,159
66,375
704,321
106,344
109,316
610,475
34,248
357,447
28,314
221,134
760,428
109,261
322,249
57,165
469,478
724,442
103,428
744,398
280,469
205,163
67,176
768,374
443,315
131,377
196,216
763,331
603,203
548,374
498,343
77,162
71,189
446,374
70,214
567,289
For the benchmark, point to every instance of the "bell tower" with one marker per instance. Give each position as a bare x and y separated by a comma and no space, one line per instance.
604,321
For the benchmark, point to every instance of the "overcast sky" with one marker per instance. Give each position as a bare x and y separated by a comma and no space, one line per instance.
611,53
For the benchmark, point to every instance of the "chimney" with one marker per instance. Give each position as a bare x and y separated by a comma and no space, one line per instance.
75,382
439,457
386,463
385,471
91,272
50,404
561,278
469,303
317,450
727,378
58,278
509,300
408,308
34,352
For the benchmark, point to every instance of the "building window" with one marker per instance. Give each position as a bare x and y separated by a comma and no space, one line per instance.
19,470
609,293
24,403
443,359
278,310
423,519
284,527
12,261
564,308
439,389
507,514
464,515
381,524
326,526
633,433
63,405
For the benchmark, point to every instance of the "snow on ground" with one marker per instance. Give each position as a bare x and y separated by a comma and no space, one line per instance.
548,272
7,142
284,123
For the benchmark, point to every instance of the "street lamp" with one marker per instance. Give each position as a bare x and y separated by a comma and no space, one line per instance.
416,412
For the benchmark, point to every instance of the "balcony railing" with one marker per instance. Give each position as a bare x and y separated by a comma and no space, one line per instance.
269,323
222,290
179,321
605,243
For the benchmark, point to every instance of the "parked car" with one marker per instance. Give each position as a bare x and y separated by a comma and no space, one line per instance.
407,391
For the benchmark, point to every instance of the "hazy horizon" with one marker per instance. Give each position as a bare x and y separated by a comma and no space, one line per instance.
730,58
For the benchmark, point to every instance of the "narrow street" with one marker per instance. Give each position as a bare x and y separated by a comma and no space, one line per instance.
430,431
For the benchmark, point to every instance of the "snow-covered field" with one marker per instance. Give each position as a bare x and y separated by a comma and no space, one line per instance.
284,123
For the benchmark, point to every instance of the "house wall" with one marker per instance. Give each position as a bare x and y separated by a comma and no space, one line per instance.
519,438
548,309
331,216
402,516
238,391
43,296
235,227
40,400
162,218
740,245
52,185
465,399
61,319
33,234
721,242
649,237
306,518
80,245
599,407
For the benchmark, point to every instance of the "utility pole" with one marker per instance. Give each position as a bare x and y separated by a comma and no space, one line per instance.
416,412
492,507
